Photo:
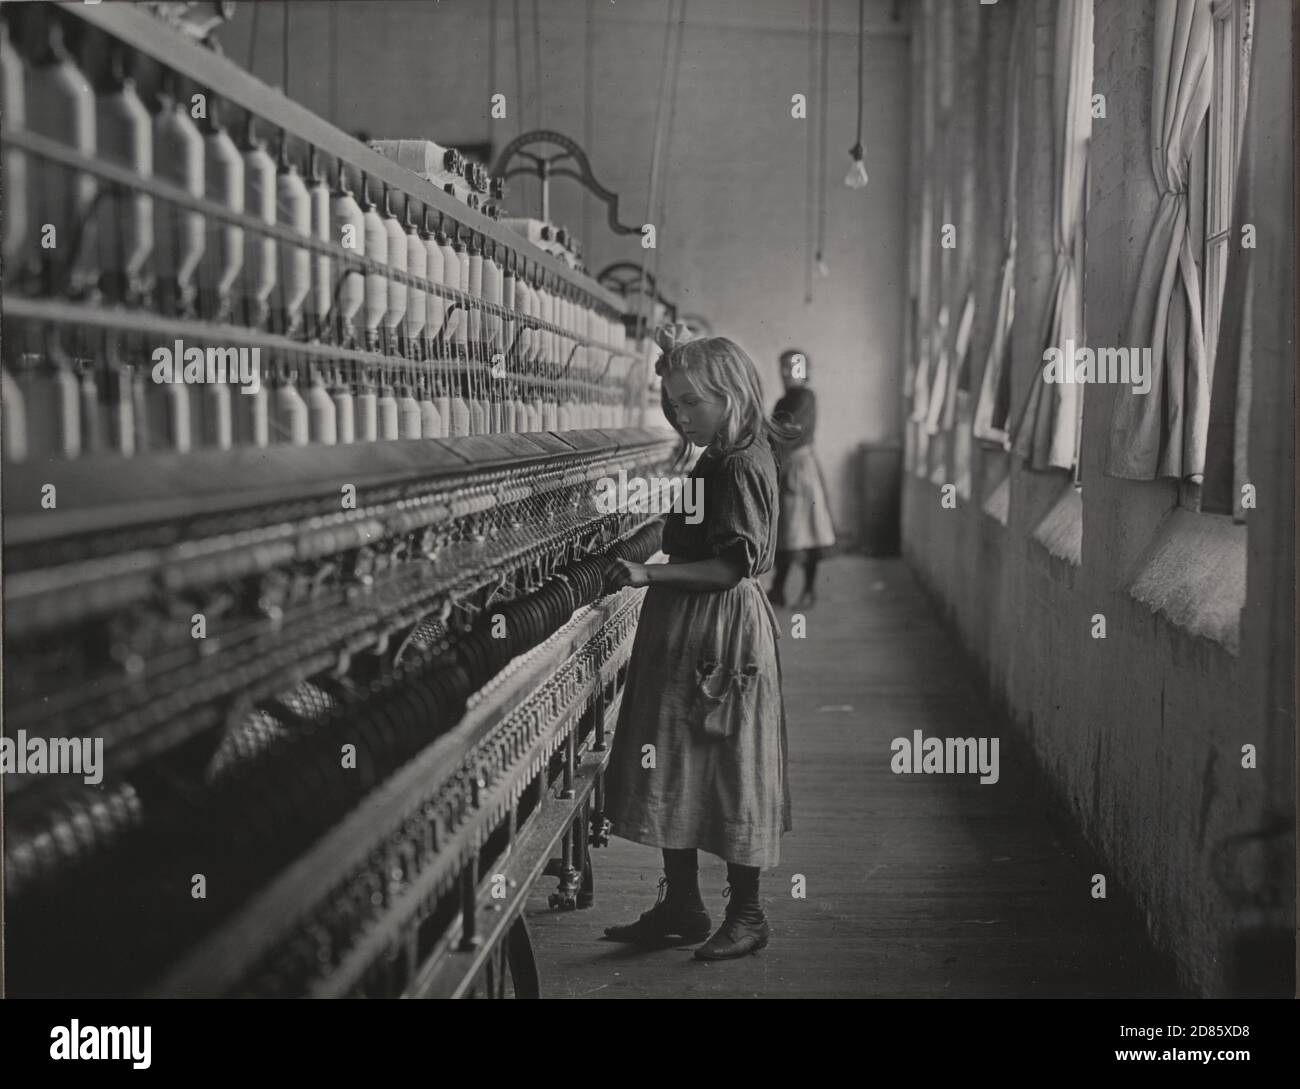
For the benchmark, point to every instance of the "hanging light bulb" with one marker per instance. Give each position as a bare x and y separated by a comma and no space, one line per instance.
823,269
857,175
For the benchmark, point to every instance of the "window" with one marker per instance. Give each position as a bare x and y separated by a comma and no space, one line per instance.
1224,125
1214,173
1081,266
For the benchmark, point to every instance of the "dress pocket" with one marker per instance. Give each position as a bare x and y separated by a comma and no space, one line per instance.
723,698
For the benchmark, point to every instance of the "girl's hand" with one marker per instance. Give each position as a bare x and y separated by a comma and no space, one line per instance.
625,573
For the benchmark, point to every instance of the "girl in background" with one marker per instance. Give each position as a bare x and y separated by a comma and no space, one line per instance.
805,524
698,760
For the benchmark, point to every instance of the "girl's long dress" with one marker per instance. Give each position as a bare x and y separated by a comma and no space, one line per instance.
699,756
805,520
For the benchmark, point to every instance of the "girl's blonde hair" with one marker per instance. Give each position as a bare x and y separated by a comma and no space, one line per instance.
721,368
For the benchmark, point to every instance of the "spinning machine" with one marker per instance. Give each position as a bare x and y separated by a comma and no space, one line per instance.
300,523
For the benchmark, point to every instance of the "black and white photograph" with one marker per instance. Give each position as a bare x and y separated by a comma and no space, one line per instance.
662,499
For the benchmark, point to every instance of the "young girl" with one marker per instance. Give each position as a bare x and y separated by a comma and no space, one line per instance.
699,756
805,524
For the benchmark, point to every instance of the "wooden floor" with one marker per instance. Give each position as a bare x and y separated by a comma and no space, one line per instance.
917,885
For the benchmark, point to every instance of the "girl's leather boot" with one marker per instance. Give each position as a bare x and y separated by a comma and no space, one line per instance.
745,929
679,911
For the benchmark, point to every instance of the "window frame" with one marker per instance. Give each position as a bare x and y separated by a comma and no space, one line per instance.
1224,123
1213,176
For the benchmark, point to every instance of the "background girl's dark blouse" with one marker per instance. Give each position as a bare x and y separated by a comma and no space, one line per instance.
798,406
739,502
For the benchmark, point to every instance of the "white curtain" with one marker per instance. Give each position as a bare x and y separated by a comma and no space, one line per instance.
931,271
1047,435
992,408
939,385
1163,433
